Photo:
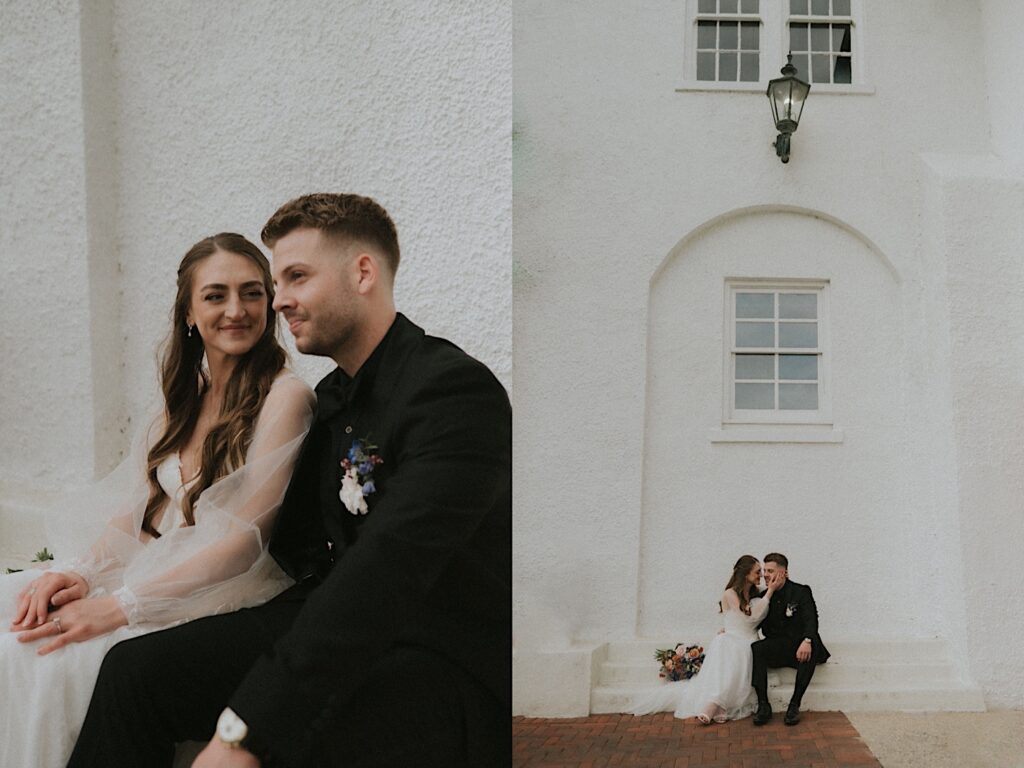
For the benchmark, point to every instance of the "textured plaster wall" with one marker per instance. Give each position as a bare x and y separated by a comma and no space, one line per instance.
1003,22
978,205
613,170
235,107
135,129
47,397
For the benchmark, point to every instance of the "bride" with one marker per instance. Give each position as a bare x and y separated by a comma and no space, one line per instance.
722,690
179,530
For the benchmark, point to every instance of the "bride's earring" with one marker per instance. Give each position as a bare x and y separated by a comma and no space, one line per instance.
190,327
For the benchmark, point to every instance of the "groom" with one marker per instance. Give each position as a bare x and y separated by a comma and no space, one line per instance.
393,647
790,640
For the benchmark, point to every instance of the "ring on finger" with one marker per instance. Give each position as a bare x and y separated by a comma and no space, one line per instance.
32,591
56,621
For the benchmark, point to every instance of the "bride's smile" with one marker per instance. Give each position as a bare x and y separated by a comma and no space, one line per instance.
229,305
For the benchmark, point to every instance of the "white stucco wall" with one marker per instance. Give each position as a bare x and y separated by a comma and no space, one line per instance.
613,170
977,206
1002,22
47,394
131,130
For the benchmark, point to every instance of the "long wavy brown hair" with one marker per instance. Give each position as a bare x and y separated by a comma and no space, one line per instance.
184,382
738,581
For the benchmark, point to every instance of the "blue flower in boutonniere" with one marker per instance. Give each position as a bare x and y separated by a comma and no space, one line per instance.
357,482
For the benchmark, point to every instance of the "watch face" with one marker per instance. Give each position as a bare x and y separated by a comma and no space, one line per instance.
230,727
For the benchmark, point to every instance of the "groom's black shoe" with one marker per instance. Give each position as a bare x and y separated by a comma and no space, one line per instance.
792,715
763,714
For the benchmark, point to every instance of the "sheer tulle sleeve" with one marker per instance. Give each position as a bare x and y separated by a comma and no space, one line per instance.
221,563
92,529
758,610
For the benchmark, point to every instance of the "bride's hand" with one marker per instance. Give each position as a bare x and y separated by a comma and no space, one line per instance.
78,621
52,588
772,583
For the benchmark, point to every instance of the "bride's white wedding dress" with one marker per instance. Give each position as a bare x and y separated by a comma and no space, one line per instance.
724,678
220,564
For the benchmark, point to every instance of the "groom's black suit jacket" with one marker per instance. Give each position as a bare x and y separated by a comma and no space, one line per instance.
427,567
792,614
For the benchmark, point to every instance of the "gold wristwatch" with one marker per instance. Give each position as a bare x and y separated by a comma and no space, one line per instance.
231,729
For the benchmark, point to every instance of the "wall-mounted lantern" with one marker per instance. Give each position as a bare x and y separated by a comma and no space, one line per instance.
787,95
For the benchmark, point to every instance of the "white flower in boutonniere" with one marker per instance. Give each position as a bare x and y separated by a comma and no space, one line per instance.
790,609
357,482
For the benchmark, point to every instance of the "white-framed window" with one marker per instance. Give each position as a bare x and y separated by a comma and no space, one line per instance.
739,45
728,41
821,40
776,352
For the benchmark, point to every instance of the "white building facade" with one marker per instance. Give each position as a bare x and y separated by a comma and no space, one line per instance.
129,131
720,354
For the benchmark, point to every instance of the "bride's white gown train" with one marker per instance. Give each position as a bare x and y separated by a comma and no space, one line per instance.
220,564
724,678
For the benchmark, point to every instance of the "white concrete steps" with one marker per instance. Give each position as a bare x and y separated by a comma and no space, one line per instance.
901,675
879,652
836,674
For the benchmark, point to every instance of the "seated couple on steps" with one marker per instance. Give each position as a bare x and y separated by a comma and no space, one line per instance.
733,681
298,580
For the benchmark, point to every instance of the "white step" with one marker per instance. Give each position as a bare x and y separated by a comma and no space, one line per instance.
896,675
895,651
959,698
838,673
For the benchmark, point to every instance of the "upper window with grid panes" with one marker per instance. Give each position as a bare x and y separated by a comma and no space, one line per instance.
739,45
821,40
728,40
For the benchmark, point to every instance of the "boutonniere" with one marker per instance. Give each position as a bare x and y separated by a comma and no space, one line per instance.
791,609
357,480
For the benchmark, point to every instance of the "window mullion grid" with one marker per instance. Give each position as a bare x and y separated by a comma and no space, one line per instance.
776,351
718,51
728,17
808,19
775,308
833,54
717,19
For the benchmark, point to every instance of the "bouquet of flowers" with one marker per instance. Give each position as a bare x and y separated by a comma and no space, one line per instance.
681,662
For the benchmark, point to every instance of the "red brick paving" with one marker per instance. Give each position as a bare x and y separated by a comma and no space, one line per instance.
820,740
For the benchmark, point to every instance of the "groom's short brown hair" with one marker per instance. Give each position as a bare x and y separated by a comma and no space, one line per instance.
342,217
775,557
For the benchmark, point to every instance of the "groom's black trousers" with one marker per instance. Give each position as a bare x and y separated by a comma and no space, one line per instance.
779,652
171,686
